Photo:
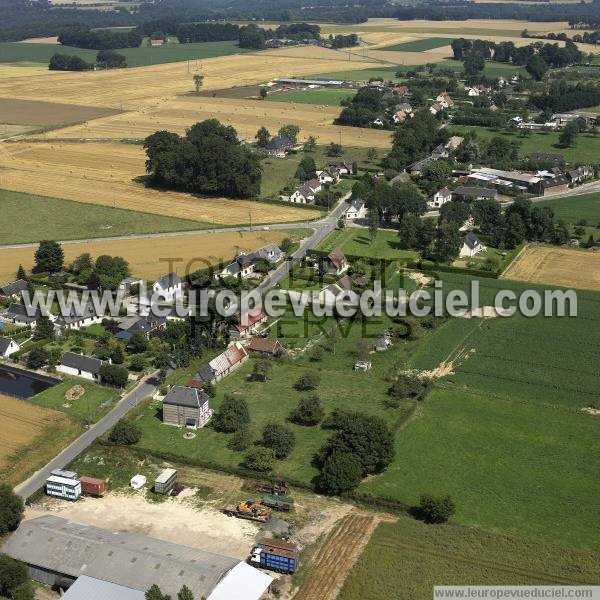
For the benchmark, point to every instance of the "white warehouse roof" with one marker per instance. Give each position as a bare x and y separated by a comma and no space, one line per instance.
243,581
88,588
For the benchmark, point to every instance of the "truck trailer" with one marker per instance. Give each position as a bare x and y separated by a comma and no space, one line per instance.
284,503
90,486
275,555
165,481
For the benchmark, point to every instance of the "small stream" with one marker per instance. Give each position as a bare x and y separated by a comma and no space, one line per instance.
23,384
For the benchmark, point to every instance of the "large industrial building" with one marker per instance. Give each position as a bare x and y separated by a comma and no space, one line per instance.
58,552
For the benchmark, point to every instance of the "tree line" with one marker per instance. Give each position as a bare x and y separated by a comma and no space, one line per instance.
101,39
105,59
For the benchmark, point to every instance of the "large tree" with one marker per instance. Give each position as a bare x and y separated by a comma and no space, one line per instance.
49,257
232,415
279,438
11,509
536,66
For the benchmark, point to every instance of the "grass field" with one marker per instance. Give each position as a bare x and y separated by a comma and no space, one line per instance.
326,97
565,267
577,208
509,466
585,149
491,69
364,74
152,257
357,242
404,560
30,435
420,45
71,170
12,52
75,220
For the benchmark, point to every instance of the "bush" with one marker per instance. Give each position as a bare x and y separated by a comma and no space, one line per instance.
259,458
340,473
115,375
11,509
279,438
232,415
125,433
307,382
37,358
435,509
137,363
13,575
308,412
261,369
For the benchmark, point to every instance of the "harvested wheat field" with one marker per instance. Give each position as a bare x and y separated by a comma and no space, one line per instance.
152,257
245,115
105,173
557,266
127,88
27,435
24,70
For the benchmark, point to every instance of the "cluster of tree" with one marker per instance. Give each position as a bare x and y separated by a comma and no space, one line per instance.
208,159
497,150
361,445
14,580
109,59
390,202
363,108
155,593
587,37
68,62
562,97
343,41
11,510
201,32
49,257
295,31
106,272
124,433
251,36
99,39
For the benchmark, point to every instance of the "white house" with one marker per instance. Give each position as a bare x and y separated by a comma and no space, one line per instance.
7,347
80,318
440,198
242,267
472,92
329,175
303,195
471,246
356,210
80,365
378,122
169,287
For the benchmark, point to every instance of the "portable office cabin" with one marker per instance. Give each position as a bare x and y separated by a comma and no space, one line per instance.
63,487
165,481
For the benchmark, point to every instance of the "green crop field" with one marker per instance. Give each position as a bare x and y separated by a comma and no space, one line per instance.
585,149
404,560
420,45
357,242
11,52
30,216
576,208
325,97
364,74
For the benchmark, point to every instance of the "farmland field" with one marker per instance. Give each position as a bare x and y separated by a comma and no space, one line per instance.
69,170
151,258
30,434
404,560
577,208
565,267
491,69
30,216
328,97
12,52
386,73
356,242
420,45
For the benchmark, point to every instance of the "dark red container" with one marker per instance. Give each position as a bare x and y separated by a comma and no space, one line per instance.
90,486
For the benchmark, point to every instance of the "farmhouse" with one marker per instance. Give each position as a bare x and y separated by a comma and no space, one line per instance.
222,365
271,253
79,365
330,175
580,174
335,262
7,347
145,324
268,346
23,315
445,100
241,267
550,187
169,287
80,318
474,193
248,323
356,210
471,246
303,195
58,551
440,198
343,166
416,168
186,407
279,146
13,290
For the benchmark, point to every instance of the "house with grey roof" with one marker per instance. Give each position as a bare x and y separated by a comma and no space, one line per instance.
58,552
19,314
147,325
77,318
169,287
14,289
474,193
279,146
186,407
80,365
356,211
7,347
471,246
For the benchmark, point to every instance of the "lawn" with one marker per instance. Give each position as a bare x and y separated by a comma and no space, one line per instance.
94,403
11,52
491,69
585,149
404,560
327,97
30,216
357,242
510,466
577,208
420,45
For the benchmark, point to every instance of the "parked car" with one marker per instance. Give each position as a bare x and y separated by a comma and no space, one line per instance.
177,489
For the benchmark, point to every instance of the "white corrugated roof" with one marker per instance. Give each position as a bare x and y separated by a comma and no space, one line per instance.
89,588
243,582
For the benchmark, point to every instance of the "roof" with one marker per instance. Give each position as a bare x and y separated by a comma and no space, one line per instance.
400,178
76,314
266,345
279,142
280,547
4,344
81,362
243,581
14,288
90,588
475,191
232,356
250,318
356,205
168,281
547,157
20,311
206,373
165,475
126,559
191,397
336,258
471,240
344,283
445,191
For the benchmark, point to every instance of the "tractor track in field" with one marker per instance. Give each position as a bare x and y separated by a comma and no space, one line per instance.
395,545
336,557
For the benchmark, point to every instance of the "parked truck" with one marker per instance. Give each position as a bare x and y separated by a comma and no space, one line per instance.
275,555
250,510
90,486
284,503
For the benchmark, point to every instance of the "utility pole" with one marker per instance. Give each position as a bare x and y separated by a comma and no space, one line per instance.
250,213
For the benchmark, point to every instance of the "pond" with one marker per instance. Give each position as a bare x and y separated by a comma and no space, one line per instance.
23,384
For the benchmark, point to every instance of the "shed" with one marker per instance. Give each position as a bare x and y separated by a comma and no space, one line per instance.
266,346
241,582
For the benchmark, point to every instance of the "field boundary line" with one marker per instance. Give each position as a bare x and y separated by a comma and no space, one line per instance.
513,261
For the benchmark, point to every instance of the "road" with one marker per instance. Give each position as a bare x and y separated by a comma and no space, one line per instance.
143,389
